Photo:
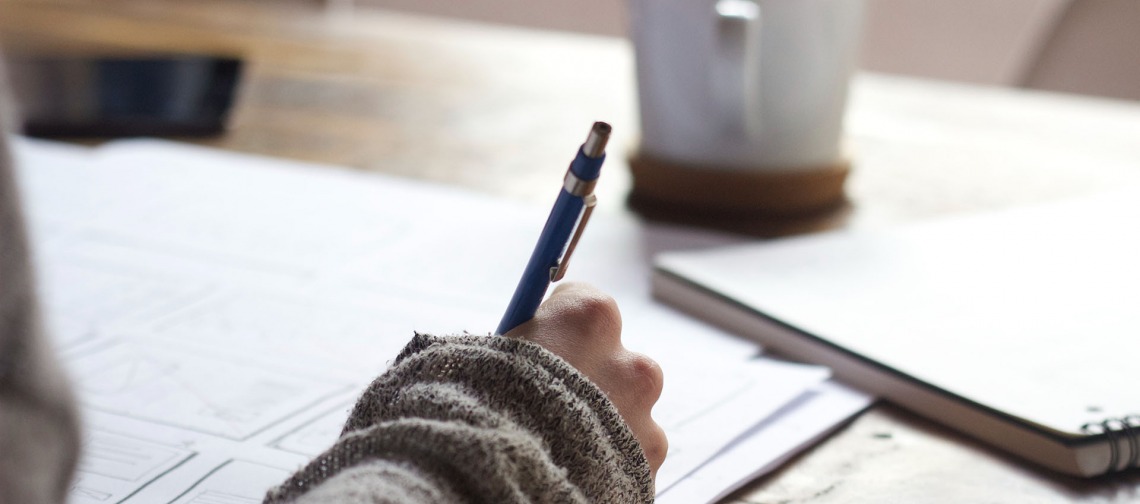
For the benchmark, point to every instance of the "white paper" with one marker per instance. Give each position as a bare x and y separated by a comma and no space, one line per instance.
768,444
703,415
220,312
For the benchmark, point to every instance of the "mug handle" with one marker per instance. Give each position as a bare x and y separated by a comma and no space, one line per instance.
735,65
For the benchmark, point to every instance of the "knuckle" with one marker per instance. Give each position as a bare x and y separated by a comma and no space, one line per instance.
647,377
597,313
656,447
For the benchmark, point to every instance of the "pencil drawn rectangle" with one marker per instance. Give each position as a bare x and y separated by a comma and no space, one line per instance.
175,386
234,482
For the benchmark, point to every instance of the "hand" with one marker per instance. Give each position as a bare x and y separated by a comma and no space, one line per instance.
583,326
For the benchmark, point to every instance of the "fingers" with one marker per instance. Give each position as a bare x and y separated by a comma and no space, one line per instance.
645,378
593,314
583,326
653,442
637,391
578,323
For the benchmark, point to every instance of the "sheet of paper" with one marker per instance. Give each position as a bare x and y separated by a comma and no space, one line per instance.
768,444
221,311
702,416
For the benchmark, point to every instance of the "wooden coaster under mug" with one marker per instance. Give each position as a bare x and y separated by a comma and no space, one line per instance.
764,203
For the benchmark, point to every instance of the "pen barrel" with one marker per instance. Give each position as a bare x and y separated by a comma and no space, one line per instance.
536,277
560,224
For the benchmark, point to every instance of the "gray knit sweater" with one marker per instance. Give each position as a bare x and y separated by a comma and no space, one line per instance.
461,419
39,434
478,419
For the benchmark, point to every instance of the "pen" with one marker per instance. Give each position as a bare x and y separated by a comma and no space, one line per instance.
562,230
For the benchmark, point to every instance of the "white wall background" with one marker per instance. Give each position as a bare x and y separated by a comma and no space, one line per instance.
1081,46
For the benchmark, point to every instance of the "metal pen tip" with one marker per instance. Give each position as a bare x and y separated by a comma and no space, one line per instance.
595,144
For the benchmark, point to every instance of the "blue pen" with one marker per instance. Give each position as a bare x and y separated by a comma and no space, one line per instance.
552,252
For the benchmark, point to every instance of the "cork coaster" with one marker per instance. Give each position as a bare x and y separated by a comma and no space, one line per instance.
762,203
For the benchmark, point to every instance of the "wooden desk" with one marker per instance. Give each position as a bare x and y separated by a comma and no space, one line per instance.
494,109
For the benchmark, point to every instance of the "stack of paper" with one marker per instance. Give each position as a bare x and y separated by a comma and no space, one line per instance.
220,313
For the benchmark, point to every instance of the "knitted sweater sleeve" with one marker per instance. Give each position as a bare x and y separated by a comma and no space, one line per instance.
477,419
39,427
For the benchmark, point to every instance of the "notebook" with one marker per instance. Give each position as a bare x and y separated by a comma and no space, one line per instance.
1020,328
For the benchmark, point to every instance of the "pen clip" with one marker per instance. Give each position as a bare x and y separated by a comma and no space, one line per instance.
559,270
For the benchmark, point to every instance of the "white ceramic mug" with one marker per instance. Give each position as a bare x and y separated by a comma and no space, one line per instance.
749,84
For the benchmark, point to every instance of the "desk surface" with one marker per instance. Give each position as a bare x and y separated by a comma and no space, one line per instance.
494,109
